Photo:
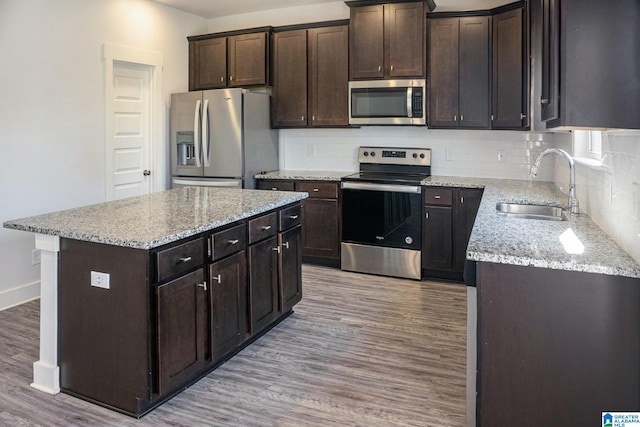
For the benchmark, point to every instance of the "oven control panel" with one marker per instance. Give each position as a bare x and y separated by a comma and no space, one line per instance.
395,156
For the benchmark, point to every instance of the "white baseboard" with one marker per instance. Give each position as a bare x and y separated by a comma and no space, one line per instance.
20,295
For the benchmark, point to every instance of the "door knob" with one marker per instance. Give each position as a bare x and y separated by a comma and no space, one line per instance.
146,172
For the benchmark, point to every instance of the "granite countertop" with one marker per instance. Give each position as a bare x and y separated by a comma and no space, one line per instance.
302,175
149,221
527,242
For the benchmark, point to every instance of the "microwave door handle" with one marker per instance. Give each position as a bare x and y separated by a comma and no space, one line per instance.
196,132
206,153
409,102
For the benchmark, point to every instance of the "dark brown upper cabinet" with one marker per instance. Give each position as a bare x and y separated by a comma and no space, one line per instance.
459,73
510,91
386,40
231,60
590,67
310,69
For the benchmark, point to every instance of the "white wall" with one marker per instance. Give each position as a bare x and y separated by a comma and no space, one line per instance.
52,108
278,17
610,194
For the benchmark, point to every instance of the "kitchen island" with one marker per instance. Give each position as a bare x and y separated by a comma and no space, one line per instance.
140,297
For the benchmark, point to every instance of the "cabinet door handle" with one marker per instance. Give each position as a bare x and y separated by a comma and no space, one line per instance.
221,79
230,78
293,217
233,242
436,197
285,245
313,118
426,216
461,118
217,278
543,101
455,118
392,68
461,199
379,67
203,285
523,116
277,249
185,259
302,118
266,227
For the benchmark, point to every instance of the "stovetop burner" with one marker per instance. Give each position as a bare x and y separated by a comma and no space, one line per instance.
406,166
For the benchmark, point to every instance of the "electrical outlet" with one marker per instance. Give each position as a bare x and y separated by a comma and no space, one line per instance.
500,156
448,153
35,257
100,280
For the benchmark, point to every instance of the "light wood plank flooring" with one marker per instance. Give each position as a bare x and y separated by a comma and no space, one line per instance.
359,350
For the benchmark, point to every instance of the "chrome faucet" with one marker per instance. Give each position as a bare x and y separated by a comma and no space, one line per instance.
573,201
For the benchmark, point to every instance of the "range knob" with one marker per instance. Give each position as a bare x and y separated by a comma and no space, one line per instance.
373,154
422,156
415,155
366,154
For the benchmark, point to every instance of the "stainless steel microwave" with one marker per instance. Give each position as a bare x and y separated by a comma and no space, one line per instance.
387,102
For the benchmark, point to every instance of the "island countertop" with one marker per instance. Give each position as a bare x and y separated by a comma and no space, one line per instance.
152,220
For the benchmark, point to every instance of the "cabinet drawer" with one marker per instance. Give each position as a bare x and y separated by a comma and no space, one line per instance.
289,217
274,184
227,242
177,259
438,196
325,190
262,227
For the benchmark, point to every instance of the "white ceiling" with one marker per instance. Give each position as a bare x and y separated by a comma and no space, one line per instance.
217,8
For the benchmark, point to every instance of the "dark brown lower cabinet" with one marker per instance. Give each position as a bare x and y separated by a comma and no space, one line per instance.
263,283
289,264
228,282
449,214
181,316
555,348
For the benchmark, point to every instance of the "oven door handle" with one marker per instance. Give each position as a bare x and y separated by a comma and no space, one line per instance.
381,187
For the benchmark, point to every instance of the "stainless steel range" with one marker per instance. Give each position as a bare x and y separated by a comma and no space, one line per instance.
381,212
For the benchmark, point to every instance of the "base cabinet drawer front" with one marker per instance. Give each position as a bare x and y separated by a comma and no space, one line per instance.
178,259
289,217
319,189
275,185
227,242
438,196
263,227
182,330
228,282
263,283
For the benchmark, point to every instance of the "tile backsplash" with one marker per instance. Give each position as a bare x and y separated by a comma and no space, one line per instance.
609,193
485,154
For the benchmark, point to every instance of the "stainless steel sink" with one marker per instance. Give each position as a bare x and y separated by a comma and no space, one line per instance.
518,210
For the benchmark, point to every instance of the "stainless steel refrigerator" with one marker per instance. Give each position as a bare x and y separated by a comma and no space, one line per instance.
221,138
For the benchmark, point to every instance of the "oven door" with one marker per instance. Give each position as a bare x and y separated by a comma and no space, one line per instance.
385,215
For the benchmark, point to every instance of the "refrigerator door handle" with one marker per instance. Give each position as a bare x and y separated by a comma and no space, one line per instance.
196,132
206,153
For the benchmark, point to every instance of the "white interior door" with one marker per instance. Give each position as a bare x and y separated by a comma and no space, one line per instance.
128,136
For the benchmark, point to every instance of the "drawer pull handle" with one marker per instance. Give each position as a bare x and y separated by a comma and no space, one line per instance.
436,197
233,242
203,285
277,249
315,190
266,227
217,278
293,217
185,259
285,245
274,188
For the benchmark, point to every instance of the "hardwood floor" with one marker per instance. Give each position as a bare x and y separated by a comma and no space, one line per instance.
359,350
